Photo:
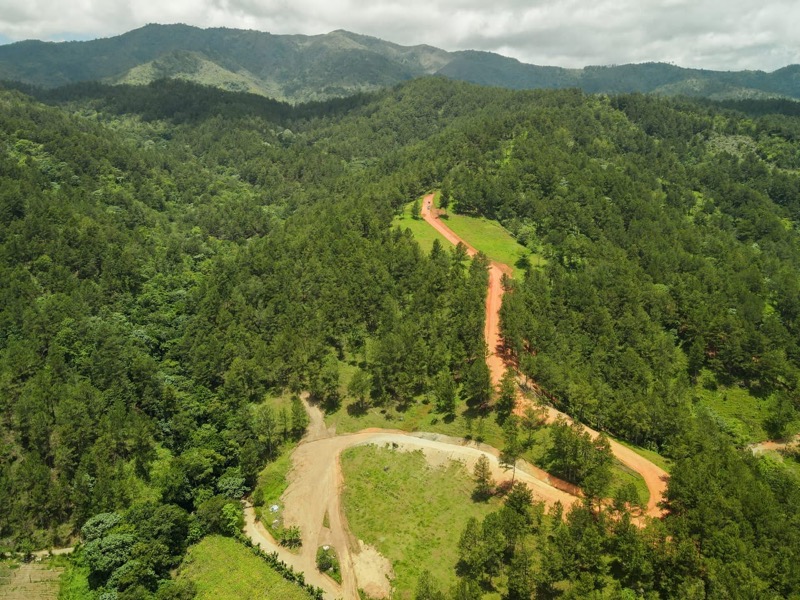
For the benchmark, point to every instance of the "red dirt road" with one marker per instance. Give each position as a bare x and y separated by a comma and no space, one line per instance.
654,476
494,298
775,445
315,481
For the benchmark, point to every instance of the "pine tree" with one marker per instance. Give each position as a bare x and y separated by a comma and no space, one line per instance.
444,390
299,417
415,210
508,396
512,449
484,484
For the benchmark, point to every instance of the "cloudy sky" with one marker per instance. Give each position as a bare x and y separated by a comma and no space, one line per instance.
715,34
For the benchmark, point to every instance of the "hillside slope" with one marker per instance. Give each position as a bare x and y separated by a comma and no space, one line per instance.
299,68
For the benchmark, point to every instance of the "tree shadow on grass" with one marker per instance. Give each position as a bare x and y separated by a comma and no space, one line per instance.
357,409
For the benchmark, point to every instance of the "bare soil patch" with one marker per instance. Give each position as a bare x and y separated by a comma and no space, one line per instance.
30,581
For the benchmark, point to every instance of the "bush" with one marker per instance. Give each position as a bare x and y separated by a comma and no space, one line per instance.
328,563
221,515
98,525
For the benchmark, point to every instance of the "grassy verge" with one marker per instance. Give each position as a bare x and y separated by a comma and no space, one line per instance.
223,569
412,513
423,233
269,489
491,238
74,583
418,417
328,563
272,480
653,457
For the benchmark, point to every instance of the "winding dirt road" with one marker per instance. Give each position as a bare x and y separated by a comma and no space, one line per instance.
494,296
654,476
316,481
315,490
777,446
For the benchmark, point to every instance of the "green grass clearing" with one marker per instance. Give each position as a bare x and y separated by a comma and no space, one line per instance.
741,413
418,416
491,238
423,233
412,513
223,569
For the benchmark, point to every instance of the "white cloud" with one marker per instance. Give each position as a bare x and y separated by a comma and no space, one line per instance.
716,34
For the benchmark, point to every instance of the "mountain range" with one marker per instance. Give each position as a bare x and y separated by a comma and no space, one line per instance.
298,68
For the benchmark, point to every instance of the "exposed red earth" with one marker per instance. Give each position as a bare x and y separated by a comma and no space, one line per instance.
315,481
775,445
654,476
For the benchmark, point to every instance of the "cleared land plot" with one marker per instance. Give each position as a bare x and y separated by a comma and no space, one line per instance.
423,233
29,581
740,412
417,416
411,512
490,238
421,417
223,569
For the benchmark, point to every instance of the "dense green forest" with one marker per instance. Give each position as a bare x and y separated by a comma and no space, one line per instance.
174,256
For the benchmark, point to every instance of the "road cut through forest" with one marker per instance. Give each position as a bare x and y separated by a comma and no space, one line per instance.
316,482
655,477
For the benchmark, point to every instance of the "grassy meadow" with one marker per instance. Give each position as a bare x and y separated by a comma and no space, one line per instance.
423,233
223,569
412,513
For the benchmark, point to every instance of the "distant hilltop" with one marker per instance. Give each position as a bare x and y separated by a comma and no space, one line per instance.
299,68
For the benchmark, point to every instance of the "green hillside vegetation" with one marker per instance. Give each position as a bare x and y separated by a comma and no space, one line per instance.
191,66
176,257
741,413
411,512
223,569
299,68
74,584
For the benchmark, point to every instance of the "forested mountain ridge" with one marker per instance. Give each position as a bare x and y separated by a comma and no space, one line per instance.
170,267
300,68
286,67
